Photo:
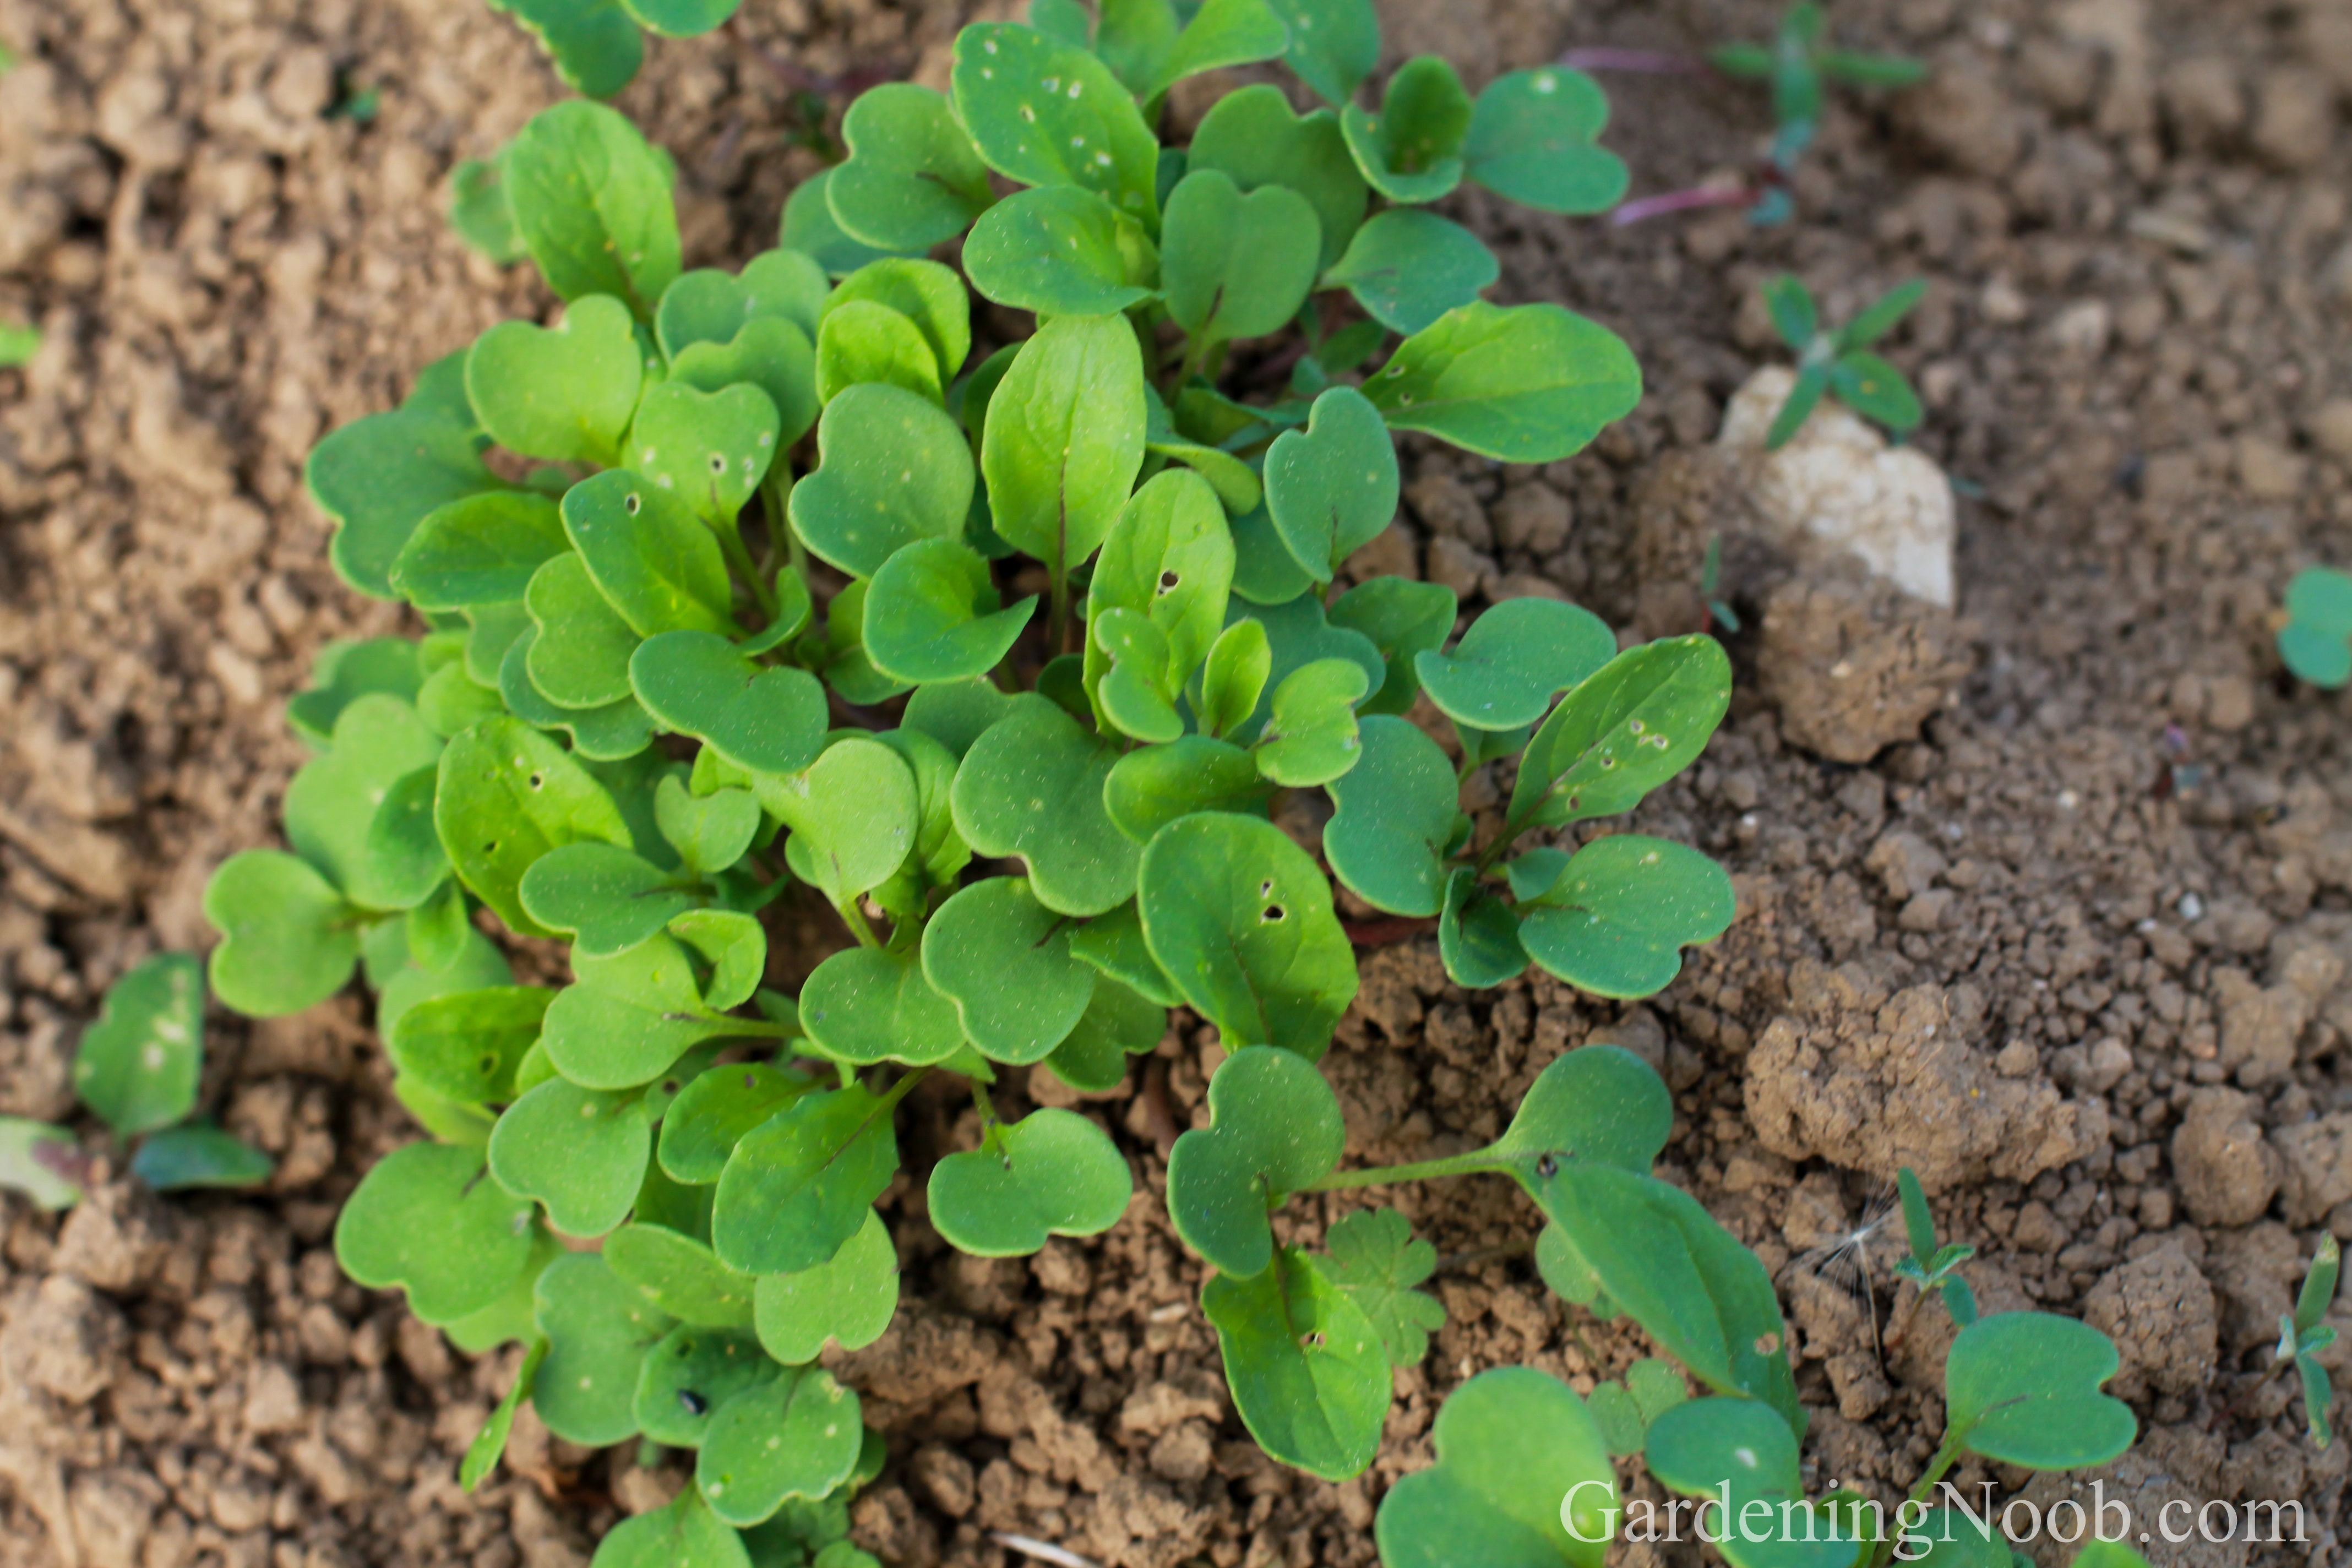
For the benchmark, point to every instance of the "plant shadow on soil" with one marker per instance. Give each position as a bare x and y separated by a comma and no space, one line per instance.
2077,946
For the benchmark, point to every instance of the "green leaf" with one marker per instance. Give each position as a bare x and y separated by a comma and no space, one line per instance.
1134,693
464,1047
592,201
1221,33
1241,919
762,720
849,1301
809,228
1310,736
798,1435
686,1379
346,672
1235,481
581,1152
1252,137
1375,1261
1641,720
402,980
682,18
379,478
1118,1023
1331,488
2321,657
1275,1128
658,565
1053,1173
1805,395
931,613
1395,814
770,354
710,833
1236,266
1407,268
1741,1454
2319,1292
1878,319
862,343
684,1534
957,713
1042,114
1064,434
854,809
1513,1447
1169,558
288,941
596,44
479,214
1305,1364
1477,934
1876,390
708,306
603,896
598,1328
1297,635
450,701
478,550
1526,384
578,654
862,1005
1532,140
1334,44
1794,315
630,1017
1114,943
489,1444
137,1066
893,468
423,1219
198,1156
338,804
912,179
1598,1103
1686,1280
710,449
1153,787
1004,959
1411,152
41,1162
1060,251
941,854
508,795
614,731
1239,663
800,1184
711,1114
2022,1388
847,669
1617,918
1033,786
564,393
927,294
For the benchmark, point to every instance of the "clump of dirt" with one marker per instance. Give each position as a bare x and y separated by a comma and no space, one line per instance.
2086,830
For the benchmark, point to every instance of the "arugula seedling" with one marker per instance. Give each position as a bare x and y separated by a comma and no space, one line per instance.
2305,1333
2316,642
137,1069
1839,360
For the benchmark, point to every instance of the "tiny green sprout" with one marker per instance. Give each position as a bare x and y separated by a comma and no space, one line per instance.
1840,362
1930,1267
1797,63
2305,1333
1710,582
2316,642
18,345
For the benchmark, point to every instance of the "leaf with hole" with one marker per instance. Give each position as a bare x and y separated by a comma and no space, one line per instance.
688,1378
1394,817
1064,435
1598,1103
1004,959
137,1066
599,1328
655,564
426,1218
796,1435
465,1046
1053,1173
1042,114
848,1301
912,179
2022,1388
1532,139
1235,265
1638,720
892,469
1308,1373
1061,251
288,941
800,1186
1615,922
1522,1480
1033,786
1524,384
508,795
710,449
1169,558
1274,1128
1407,268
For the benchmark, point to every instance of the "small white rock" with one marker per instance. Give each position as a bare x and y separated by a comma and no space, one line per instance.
1839,487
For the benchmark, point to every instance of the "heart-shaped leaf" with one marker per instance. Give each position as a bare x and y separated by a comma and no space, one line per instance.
710,449
1395,815
1407,268
1152,788
863,1006
137,1066
609,731
1033,786
333,804
1118,1023
1236,266
591,200
1170,557
346,672
2316,641
1252,137
849,1299
686,1379
711,1114
956,712
1402,619
1514,657
1641,720
595,46
1616,921
506,796
1519,1462
1297,635
710,307
683,1533
1053,1173
605,897
808,226
931,613
912,179
762,720
802,1183
856,810
861,342
1042,114
1411,152
1375,1261
423,1219
796,1435
892,469
1334,44
577,655
1060,251
1274,1127
680,1275
479,550
198,1156
1531,139
658,565
450,701
631,1016
1526,384
465,1046
288,941
1134,693
2022,1388
598,1328
1331,488
1308,1373
1740,1453
712,832
1598,1103
581,1152
564,393
1003,959
848,670
1114,943
1064,435
1310,737
1241,919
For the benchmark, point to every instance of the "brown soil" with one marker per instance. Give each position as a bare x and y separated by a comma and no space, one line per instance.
2077,948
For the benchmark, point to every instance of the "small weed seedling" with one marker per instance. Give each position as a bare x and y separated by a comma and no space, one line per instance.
1840,361
1009,658
137,1069
18,345
2316,640
1929,1266
2305,1333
